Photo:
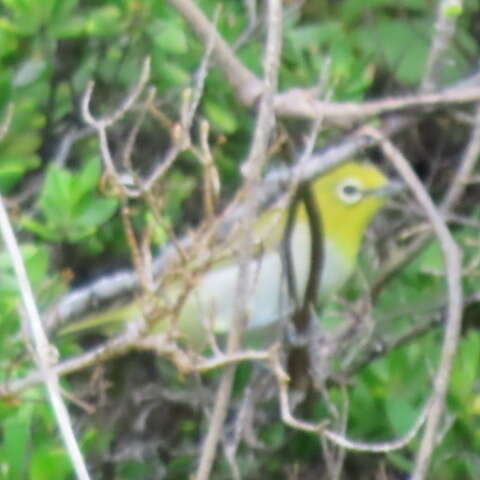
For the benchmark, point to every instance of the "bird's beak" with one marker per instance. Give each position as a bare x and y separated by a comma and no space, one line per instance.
389,190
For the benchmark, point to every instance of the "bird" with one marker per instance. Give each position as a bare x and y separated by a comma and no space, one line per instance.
347,199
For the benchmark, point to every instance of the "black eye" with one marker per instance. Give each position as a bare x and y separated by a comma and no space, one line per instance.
350,190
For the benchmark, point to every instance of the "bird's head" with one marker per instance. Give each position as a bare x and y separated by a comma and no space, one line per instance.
348,197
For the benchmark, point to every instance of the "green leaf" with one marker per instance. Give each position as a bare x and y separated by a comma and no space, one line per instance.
403,46
16,441
44,231
313,36
466,368
71,27
56,197
70,205
170,73
452,8
104,21
49,462
221,116
400,413
430,260
93,214
170,38
87,180
13,167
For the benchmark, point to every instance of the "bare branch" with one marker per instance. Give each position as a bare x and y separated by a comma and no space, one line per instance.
335,437
191,101
5,125
455,191
251,169
66,143
467,165
444,31
123,284
101,125
379,447
303,103
42,349
452,258
246,85
123,108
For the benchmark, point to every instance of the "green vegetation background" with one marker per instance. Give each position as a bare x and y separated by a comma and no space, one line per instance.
71,232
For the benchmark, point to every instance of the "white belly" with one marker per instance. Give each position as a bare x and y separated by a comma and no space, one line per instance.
269,300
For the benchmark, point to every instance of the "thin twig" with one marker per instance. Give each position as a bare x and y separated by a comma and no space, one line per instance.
303,102
452,259
455,191
189,108
444,31
108,289
133,134
42,348
101,124
251,170
466,168
337,438
246,85
123,108
7,119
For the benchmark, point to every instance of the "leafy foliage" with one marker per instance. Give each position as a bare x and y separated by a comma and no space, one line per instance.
69,205
49,49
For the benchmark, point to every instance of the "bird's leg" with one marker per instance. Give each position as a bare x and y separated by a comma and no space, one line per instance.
299,360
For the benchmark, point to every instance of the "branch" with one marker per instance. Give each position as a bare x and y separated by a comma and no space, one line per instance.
466,168
106,290
335,437
190,105
303,102
444,31
42,349
5,125
251,169
101,125
245,84
452,259
455,191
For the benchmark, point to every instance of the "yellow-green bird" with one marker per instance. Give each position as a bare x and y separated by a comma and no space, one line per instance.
347,198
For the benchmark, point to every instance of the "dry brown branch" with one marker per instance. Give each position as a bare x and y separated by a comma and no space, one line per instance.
455,191
106,290
466,168
246,85
337,438
125,105
251,170
304,103
133,134
444,31
190,103
210,177
452,259
101,125
45,355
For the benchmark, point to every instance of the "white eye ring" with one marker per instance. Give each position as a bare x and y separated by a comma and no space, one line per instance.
350,190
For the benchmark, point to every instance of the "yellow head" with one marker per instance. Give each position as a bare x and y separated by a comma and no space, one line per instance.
348,197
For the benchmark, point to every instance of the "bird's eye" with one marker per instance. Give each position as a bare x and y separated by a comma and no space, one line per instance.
349,191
